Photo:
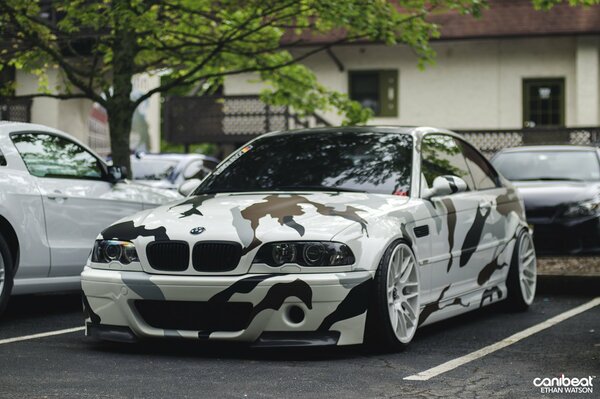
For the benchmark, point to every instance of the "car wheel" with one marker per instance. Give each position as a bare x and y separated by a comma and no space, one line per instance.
522,275
394,313
6,275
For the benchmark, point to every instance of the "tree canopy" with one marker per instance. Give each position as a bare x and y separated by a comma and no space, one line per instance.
97,46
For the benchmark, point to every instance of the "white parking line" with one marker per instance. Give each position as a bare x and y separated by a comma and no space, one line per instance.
41,335
454,363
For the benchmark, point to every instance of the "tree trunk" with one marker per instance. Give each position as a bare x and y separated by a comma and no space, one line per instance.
119,122
119,106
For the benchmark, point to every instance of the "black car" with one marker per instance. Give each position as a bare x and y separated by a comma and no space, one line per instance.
560,186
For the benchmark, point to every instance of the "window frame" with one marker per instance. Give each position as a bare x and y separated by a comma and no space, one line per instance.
103,167
495,179
421,162
526,111
382,87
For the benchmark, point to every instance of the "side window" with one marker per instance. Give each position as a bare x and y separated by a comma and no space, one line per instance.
484,176
441,156
2,159
47,155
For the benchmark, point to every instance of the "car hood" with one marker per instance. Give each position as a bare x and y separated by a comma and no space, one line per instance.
252,219
556,193
151,196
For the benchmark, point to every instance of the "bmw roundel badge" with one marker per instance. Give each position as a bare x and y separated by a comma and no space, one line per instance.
197,230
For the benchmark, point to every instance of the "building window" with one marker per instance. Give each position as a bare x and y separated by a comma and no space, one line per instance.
377,90
543,102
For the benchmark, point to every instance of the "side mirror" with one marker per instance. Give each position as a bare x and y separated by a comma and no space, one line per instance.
445,185
188,186
117,173
192,170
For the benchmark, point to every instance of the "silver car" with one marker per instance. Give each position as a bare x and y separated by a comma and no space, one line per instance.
55,195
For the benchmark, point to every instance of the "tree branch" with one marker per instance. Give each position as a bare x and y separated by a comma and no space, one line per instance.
185,81
71,96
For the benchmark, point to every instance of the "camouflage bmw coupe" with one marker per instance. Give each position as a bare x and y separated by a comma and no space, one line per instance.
331,236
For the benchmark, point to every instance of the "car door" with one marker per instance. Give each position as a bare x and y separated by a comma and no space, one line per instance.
493,251
77,197
461,217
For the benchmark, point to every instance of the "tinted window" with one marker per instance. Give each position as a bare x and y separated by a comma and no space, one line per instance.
484,176
2,159
548,165
442,156
46,155
363,161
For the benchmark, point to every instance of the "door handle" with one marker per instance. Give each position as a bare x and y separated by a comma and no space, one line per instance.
57,195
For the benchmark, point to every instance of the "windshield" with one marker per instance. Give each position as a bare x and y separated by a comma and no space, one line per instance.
549,165
318,161
152,169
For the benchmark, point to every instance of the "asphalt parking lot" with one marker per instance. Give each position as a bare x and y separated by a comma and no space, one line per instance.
70,365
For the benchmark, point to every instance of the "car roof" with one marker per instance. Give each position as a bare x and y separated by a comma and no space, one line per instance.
411,130
539,148
7,127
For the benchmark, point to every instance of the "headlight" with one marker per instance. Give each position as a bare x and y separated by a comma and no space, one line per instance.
106,251
307,253
587,208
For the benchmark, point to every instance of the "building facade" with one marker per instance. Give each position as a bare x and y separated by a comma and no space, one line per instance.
514,68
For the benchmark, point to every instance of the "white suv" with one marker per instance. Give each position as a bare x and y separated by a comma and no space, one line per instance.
55,196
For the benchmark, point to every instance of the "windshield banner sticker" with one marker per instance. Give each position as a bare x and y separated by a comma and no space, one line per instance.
231,160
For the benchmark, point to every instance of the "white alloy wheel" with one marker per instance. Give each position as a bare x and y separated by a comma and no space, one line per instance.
527,268
403,292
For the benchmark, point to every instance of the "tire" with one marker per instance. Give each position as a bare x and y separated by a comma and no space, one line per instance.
384,330
522,275
6,274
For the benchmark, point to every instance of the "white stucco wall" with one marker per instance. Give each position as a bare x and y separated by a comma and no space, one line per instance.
70,116
588,81
475,84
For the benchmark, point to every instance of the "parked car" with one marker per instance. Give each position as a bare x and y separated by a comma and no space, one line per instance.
318,237
561,189
55,194
170,170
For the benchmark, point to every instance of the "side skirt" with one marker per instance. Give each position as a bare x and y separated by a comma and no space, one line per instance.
454,306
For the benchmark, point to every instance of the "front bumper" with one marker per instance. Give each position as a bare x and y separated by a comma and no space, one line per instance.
572,236
259,309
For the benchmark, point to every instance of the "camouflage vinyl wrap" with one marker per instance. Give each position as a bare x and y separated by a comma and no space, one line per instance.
463,244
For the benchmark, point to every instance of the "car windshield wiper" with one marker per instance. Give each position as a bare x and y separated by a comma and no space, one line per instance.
549,179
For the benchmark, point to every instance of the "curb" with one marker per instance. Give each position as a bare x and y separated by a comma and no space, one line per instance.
568,284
